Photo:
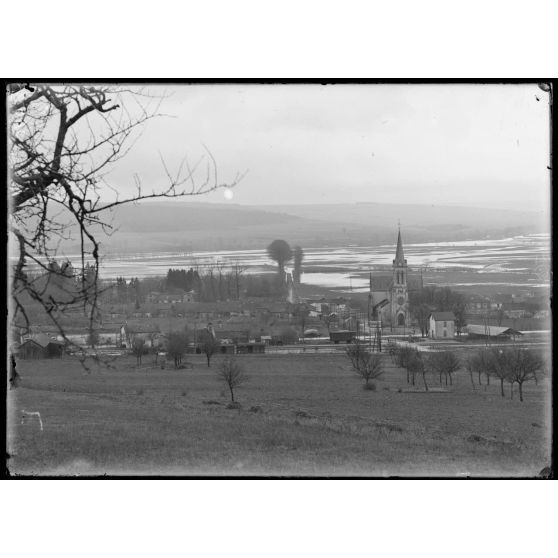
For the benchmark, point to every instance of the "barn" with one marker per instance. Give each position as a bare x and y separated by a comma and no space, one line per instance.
491,332
41,346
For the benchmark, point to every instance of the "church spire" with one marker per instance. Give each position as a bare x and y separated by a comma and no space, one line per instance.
399,257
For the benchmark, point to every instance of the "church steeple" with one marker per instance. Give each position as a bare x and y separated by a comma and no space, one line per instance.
399,291
399,257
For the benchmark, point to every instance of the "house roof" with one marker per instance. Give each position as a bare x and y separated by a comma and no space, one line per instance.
512,306
42,340
491,331
443,316
141,328
187,307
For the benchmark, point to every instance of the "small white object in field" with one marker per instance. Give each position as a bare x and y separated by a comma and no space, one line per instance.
228,194
25,413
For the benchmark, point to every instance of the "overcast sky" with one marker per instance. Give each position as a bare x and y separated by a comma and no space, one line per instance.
481,145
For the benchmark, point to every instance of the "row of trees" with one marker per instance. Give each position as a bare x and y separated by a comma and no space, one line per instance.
513,365
509,364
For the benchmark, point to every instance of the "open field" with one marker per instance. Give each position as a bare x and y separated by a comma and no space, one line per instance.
300,415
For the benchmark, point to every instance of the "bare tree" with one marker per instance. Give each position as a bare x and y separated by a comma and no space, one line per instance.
499,365
62,142
417,366
446,363
525,366
138,348
367,365
177,343
403,358
237,271
472,363
209,345
231,373
297,270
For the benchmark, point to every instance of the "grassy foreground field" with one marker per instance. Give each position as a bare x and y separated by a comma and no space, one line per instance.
300,415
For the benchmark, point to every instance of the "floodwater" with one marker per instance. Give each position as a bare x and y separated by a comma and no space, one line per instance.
524,259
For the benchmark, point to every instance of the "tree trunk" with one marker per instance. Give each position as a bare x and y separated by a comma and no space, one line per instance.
232,393
451,380
487,379
502,386
446,379
520,390
208,360
424,380
480,382
440,379
413,377
472,381
407,376
511,390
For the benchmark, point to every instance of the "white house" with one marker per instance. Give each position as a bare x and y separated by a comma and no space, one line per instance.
441,325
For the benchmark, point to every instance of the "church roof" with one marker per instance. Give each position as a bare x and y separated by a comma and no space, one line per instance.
384,282
380,282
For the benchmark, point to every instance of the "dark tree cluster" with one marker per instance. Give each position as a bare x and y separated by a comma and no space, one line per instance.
263,286
180,279
127,292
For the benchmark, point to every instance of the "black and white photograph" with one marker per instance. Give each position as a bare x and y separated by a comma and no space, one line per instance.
270,279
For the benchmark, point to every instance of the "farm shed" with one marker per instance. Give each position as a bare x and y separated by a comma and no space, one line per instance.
342,335
490,332
41,346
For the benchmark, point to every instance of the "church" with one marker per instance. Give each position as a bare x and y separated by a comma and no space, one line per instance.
389,294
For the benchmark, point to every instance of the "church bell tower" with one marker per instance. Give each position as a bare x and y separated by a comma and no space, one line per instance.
399,290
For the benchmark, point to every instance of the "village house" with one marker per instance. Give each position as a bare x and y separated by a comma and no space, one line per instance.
479,305
513,310
155,297
211,311
441,325
148,332
277,310
40,345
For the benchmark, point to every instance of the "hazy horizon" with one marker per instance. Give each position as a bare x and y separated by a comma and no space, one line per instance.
471,145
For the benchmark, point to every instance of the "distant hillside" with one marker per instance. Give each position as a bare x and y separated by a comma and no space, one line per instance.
415,216
183,226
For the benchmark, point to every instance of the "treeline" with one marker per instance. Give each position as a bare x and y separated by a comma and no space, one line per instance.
183,280
264,286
